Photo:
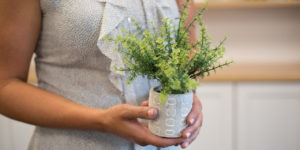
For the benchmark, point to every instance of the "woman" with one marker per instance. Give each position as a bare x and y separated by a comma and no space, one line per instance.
80,102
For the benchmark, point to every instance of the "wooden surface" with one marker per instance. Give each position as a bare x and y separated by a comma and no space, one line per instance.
257,72
241,72
32,74
230,5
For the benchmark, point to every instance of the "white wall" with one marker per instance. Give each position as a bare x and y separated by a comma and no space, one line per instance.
268,116
14,135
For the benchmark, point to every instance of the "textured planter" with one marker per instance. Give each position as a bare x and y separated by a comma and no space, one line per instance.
172,113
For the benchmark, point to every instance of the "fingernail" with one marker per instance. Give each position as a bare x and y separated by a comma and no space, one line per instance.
151,112
192,121
188,134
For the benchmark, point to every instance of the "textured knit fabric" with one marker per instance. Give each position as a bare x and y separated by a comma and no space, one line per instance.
73,61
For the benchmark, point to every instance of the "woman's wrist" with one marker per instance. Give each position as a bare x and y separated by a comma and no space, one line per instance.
97,119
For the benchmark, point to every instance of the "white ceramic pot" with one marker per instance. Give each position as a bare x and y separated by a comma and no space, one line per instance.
172,113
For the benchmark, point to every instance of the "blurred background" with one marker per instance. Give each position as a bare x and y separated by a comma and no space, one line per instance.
252,105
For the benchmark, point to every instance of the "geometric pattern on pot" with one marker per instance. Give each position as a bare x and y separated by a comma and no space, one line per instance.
171,114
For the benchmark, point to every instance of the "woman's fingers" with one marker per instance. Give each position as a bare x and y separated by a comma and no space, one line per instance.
144,137
195,112
122,121
194,120
145,103
163,142
152,139
187,132
187,142
133,112
145,125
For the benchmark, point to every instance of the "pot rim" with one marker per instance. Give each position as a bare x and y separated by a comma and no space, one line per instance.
152,89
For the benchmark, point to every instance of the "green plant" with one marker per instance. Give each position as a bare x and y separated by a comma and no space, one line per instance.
166,54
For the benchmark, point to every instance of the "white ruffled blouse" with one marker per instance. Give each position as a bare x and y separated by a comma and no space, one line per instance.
73,61
116,17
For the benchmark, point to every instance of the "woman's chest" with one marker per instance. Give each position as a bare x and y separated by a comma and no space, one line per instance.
81,21
72,28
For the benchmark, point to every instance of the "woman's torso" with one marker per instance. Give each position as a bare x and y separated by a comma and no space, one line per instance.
69,63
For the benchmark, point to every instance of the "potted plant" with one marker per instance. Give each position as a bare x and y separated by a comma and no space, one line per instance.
164,53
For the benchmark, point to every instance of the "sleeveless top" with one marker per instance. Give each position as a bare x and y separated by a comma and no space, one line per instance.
73,61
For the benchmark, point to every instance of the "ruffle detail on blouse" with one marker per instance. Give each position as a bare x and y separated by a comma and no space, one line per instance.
114,13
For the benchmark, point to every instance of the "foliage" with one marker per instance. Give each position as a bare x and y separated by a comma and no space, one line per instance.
166,54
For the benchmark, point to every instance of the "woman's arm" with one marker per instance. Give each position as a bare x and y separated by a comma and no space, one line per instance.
20,23
191,15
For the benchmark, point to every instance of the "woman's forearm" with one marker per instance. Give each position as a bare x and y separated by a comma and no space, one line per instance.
27,103
190,17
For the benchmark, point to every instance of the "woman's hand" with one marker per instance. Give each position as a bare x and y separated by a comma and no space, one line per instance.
194,121
122,120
